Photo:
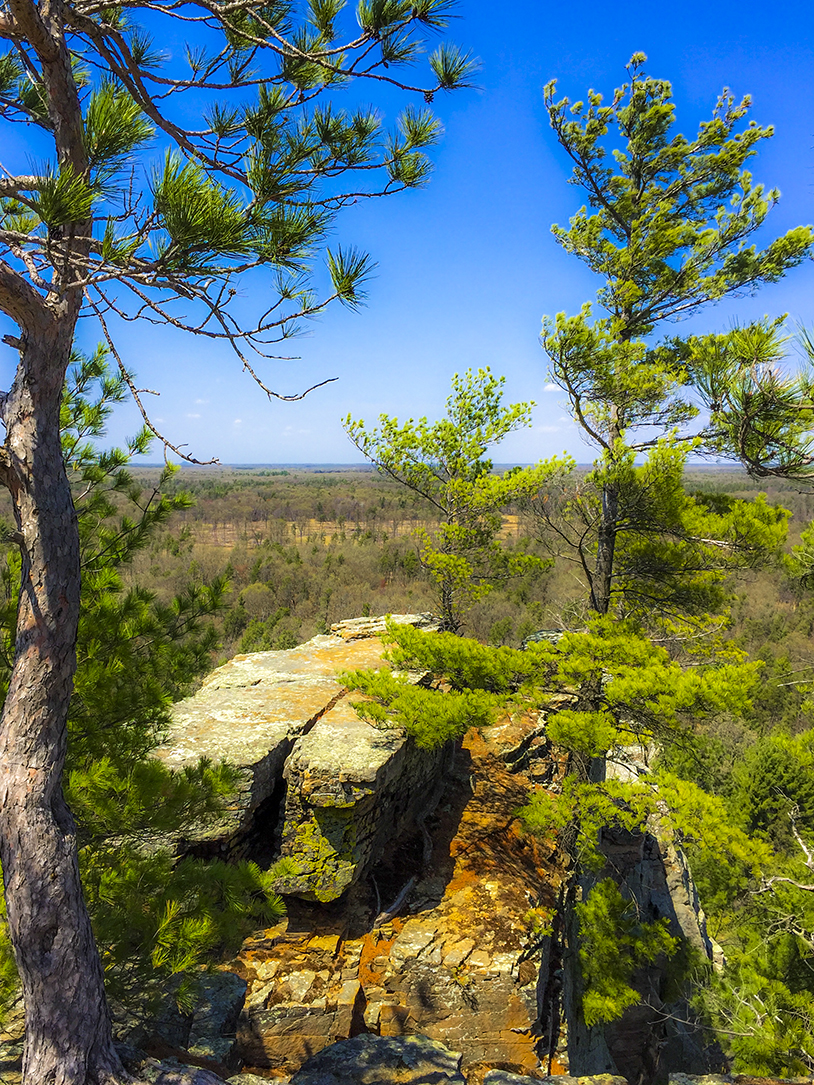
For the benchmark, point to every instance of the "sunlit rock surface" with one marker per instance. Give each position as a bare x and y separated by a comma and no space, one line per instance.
253,709
351,790
443,939
417,906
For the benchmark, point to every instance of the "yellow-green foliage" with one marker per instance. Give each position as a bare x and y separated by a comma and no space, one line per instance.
468,664
445,462
636,691
726,861
431,717
627,689
773,780
145,797
590,808
614,943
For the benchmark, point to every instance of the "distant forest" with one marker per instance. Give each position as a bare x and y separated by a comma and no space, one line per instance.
304,548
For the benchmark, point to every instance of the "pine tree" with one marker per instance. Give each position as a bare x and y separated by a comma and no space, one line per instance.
759,413
646,698
445,463
666,226
152,916
254,157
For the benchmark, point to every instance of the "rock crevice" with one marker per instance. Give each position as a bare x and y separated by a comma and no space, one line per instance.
417,904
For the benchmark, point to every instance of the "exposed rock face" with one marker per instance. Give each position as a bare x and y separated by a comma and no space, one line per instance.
215,1017
351,790
416,904
205,1036
357,628
252,711
662,1034
457,960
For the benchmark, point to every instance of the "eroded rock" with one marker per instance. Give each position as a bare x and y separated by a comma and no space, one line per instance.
370,1060
356,628
352,789
251,712
458,962
218,1005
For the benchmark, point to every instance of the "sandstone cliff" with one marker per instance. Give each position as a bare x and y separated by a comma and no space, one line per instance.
416,903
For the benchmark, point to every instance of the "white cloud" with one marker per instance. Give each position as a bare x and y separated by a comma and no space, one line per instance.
238,422
551,388
199,402
548,429
193,415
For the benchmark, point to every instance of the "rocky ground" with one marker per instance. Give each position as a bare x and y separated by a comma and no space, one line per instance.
418,942
442,938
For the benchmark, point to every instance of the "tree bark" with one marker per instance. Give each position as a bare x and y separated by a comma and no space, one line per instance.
68,1032
602,581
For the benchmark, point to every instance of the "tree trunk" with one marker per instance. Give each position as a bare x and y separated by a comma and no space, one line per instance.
602,582
449,617
68,1033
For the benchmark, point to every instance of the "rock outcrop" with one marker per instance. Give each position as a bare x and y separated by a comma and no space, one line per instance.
410,1060
351,790
443,939
369,1060
417,906
255,711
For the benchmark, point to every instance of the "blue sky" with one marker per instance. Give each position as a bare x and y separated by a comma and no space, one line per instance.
467,267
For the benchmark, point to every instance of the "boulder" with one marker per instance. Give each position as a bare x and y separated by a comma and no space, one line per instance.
374,1060
206,1033
218,1003
184,1075
251,711
172,1072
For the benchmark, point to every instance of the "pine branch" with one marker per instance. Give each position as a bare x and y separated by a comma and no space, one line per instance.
20,301
13,186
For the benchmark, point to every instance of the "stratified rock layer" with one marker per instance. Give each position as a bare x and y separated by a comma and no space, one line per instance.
455,958
254,709
416,903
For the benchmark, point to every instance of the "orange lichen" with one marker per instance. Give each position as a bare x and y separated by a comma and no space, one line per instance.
374,946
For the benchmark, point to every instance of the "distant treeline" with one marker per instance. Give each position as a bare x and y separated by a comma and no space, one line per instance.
310,547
